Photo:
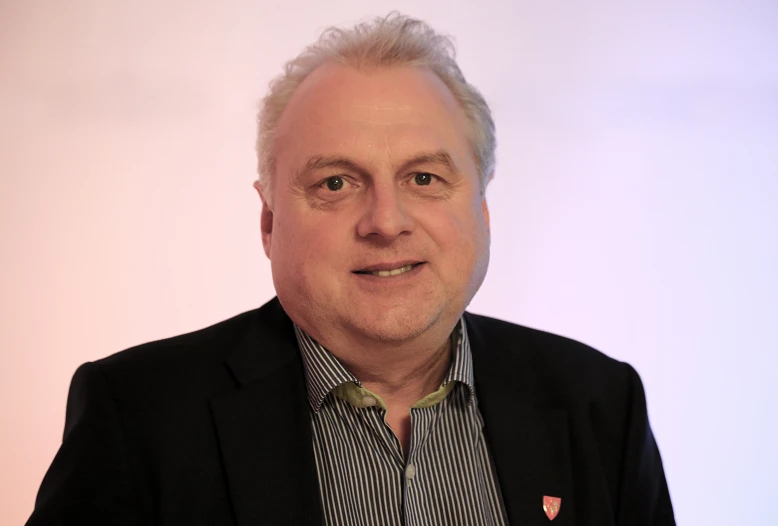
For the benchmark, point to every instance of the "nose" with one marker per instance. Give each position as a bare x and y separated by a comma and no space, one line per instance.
386,215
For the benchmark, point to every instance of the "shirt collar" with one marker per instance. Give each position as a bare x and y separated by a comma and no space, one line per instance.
324,372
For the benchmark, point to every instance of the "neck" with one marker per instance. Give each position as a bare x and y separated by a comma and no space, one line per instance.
401,373
404,376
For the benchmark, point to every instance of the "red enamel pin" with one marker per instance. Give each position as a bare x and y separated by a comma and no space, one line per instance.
551,506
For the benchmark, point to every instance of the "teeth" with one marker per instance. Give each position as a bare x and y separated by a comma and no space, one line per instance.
393,272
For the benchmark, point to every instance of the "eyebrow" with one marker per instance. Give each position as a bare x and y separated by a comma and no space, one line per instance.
320,162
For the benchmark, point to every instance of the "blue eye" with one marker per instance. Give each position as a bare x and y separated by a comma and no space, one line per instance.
335,183
423,179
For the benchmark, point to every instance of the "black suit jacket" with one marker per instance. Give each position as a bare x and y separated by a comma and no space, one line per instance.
213,428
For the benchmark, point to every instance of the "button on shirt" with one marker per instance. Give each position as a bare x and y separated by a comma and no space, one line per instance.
363,478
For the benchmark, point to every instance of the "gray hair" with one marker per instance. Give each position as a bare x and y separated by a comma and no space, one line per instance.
394,40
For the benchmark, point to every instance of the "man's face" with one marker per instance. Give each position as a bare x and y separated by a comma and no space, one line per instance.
378,229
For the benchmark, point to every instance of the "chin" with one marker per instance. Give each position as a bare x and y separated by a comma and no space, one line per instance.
394,327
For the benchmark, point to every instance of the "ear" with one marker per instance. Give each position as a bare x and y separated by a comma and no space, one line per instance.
485,210
266,221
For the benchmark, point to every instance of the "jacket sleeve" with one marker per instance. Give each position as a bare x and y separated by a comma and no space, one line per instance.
644,496
88,482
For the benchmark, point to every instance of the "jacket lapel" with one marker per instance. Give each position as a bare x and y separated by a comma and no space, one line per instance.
263,427
528,440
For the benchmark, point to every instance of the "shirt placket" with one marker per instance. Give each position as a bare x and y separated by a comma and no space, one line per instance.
414,477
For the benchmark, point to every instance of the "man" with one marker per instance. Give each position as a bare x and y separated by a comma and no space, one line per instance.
363,394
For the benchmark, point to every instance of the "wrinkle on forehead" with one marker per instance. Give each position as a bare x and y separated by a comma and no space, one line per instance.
387,114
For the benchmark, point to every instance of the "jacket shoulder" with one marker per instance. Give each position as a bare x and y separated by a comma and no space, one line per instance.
179,367
206,344
537,344
555,364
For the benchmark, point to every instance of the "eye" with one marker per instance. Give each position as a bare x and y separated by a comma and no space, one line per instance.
423,179
334,183
335,188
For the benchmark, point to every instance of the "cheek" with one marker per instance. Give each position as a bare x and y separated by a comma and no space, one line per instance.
306,242
459,232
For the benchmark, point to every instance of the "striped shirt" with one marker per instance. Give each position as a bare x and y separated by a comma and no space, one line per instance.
448,478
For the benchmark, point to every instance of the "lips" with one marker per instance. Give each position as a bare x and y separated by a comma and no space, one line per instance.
389,269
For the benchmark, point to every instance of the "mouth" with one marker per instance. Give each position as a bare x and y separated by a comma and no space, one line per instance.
385,271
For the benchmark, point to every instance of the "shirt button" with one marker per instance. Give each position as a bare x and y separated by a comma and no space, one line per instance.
369,401
410,471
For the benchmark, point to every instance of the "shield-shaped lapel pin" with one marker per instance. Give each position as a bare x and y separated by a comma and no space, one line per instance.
551,506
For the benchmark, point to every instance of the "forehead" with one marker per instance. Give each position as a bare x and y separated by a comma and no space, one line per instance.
389,112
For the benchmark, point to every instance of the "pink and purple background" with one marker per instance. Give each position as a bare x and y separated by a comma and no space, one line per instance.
635,205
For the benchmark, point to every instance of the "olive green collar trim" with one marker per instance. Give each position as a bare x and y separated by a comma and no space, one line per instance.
360,397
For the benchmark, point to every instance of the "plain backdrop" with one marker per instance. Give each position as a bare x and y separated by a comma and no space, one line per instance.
635,205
